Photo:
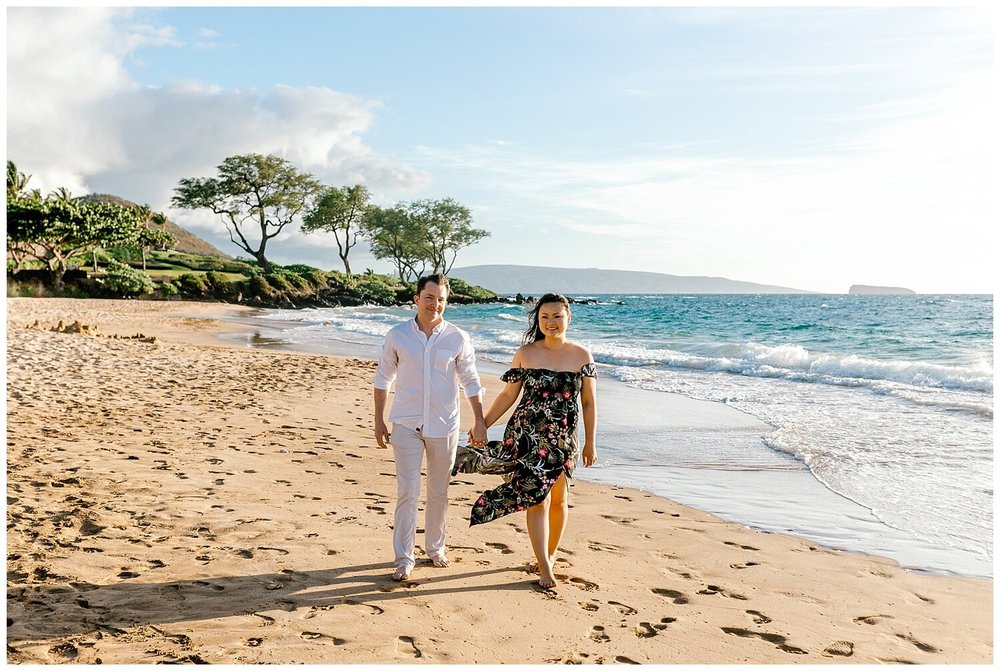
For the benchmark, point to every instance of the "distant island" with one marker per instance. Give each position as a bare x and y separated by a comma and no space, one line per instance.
535,280
866,289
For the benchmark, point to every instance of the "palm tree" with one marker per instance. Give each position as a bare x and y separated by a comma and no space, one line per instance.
17,181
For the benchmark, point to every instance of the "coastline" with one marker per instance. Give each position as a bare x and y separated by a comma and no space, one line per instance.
276,503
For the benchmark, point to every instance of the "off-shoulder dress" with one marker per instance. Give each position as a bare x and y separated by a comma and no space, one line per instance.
539,443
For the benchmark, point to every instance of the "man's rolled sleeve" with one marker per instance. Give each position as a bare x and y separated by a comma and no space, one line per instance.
468,376
388,362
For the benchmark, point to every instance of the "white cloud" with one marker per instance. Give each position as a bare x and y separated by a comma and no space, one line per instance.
76,118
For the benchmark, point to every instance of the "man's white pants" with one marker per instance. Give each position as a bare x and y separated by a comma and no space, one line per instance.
409,446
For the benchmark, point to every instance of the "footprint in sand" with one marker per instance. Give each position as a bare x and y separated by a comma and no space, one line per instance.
622,659
605,547
839,649
254,642
678,597
315,635
597,634
504,549
624,521
585,585
758,617
742,547
715,589
590,605
871,619
645,630
622,608
744,565
924,647
375,609
778,640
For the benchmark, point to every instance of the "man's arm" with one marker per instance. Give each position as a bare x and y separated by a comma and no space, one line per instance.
381,430
468,377
385,373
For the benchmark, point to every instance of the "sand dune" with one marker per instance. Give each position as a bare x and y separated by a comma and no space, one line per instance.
183,501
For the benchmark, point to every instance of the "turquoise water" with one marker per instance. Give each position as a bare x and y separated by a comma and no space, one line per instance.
886,400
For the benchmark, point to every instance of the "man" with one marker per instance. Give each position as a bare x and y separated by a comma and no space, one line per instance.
428,358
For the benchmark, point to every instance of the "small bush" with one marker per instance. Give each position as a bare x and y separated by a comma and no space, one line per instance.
280,282
126,281
259,286
168,290
191,284
317,278
375,289
302,268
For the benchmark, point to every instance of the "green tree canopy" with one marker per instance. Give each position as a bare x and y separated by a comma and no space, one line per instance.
448,227
54,230
256,196
339,211
396,235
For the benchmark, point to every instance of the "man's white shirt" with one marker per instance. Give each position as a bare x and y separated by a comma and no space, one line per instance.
428,373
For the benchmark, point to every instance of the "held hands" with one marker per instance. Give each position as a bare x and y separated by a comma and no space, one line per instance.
477,435
589,455
381,432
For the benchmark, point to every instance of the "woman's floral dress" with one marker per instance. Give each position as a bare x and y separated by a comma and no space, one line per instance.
539,443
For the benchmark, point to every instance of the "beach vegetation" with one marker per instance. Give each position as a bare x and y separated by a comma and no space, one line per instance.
339,210
167,290
192,284
256,196
57,228
125,281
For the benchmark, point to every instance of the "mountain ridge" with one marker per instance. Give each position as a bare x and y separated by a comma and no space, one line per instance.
512,279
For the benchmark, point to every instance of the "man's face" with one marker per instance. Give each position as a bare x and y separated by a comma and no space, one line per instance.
431,302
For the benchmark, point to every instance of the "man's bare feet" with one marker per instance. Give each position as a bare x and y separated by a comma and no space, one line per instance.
402,572
440,561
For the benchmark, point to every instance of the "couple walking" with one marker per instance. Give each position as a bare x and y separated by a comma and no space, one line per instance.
429,358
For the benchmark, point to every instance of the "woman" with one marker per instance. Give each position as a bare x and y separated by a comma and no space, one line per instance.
540,441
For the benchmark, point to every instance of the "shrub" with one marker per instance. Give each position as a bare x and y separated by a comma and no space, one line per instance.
259,286
375,289
317,278
301,268
192,284
279,281
124,280
168,290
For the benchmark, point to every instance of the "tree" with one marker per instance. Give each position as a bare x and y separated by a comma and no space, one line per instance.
252,192
339,211
17,181
396,235
54,230
448,228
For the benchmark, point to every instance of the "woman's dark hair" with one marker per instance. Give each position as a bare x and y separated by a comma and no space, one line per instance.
437,278
534,332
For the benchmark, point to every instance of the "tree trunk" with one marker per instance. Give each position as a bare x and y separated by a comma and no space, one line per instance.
265,265
93,254
347,265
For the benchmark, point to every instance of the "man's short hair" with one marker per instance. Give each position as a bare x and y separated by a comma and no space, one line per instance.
437,278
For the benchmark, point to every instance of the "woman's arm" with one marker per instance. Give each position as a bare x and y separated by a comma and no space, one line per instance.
588,401
507,395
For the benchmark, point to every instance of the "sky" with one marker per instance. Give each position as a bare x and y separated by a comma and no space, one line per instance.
798,146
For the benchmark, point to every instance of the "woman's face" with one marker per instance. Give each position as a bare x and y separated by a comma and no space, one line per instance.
553,319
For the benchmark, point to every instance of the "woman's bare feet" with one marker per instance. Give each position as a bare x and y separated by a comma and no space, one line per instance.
440,561
546,579
533,566
402,572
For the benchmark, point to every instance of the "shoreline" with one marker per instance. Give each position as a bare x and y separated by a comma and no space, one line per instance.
274,468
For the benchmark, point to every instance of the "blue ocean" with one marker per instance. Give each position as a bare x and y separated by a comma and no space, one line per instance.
883,402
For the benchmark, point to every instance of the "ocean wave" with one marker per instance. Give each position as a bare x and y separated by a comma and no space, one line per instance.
794,362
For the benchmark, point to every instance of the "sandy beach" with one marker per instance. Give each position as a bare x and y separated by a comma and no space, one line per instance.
182,500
